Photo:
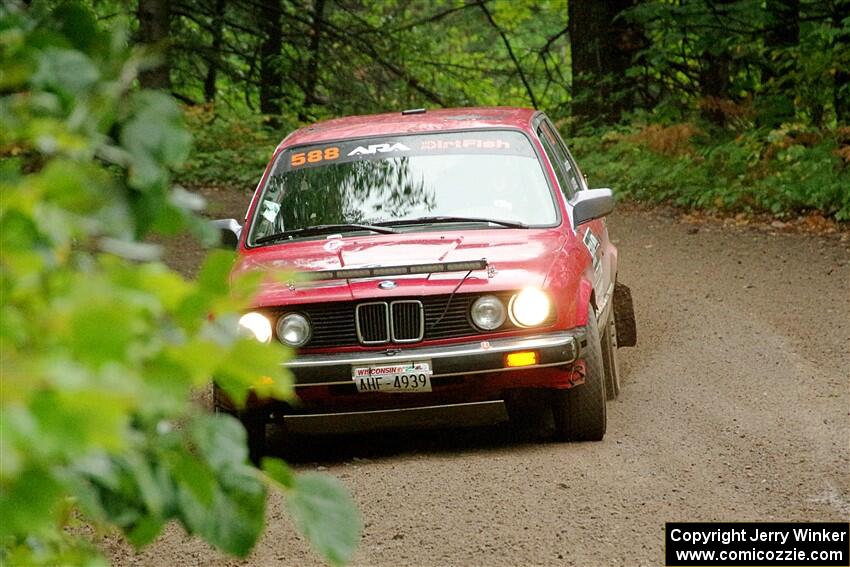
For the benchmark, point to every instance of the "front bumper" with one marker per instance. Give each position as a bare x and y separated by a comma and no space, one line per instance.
478,357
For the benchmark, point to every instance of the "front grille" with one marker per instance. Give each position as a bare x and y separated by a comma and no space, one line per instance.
333,323
378,323
444,319
407,322
343,323
372,323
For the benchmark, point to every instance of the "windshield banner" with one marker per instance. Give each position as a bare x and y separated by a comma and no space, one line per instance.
457,143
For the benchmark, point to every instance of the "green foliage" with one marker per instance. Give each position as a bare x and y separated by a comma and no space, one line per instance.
102,346
785,172
750,61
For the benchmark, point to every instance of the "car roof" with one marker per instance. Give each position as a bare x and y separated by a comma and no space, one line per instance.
411,123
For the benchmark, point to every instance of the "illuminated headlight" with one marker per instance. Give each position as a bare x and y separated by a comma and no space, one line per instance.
488,312
530,307
293,329
256,325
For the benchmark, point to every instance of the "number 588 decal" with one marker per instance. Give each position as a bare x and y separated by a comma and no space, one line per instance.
314,156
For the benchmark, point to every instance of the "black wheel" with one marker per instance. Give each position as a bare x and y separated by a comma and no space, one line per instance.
255,427
610,360
527,409
579,411
253,422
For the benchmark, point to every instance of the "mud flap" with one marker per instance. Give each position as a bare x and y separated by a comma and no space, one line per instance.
624,316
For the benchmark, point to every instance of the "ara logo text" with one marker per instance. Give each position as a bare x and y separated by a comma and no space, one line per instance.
372,149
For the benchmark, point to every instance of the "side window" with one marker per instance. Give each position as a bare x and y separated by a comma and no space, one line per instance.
559,161
574,170
582,182
571,172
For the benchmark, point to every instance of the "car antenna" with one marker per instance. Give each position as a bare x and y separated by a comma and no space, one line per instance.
449,302
410,111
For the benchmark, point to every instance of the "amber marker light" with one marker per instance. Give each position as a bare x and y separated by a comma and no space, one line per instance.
516,359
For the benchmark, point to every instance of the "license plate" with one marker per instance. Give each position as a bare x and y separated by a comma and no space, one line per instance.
403,377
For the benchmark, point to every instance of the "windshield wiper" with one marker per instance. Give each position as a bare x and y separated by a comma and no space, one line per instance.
322,229
449,219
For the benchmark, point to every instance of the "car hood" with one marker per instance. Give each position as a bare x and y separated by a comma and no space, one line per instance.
517,258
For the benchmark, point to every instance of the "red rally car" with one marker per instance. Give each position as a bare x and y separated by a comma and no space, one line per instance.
455,258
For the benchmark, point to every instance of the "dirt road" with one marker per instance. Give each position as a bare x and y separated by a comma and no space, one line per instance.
735,406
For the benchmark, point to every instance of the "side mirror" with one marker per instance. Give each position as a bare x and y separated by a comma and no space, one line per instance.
592,204
228,232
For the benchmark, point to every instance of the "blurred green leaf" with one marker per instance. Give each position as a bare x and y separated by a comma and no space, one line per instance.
154,137
279,472
214,274
29,504
100,332
99,418
325,513
66,71
219,440
235,519
144,531
79,26
257,367
195,478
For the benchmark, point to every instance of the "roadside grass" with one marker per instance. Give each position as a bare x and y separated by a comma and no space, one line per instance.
788,173
228,151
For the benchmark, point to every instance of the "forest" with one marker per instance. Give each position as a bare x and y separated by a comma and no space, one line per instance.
729,105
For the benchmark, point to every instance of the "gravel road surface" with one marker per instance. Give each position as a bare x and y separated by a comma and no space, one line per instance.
735,407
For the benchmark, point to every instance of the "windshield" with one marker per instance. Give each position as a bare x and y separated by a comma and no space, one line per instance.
481,175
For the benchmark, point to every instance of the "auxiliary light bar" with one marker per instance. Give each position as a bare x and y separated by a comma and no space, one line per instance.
382,271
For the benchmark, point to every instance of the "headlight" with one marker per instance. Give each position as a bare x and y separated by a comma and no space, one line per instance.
257,326
293,329
530,307
488,312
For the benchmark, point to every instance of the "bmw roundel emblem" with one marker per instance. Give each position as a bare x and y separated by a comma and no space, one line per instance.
387,284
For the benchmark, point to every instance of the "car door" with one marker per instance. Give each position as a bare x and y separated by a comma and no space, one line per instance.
594,234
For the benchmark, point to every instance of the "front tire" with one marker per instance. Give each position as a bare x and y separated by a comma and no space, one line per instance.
579,412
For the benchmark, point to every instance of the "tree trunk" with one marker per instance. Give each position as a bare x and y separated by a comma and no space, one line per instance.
214,59
313,64
782,34
603,46
154,27
627,38
588,26
783,23
714,82
841,85
271,76
714,75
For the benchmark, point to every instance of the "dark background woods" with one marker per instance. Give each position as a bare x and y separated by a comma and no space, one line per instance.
768,60
733,105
